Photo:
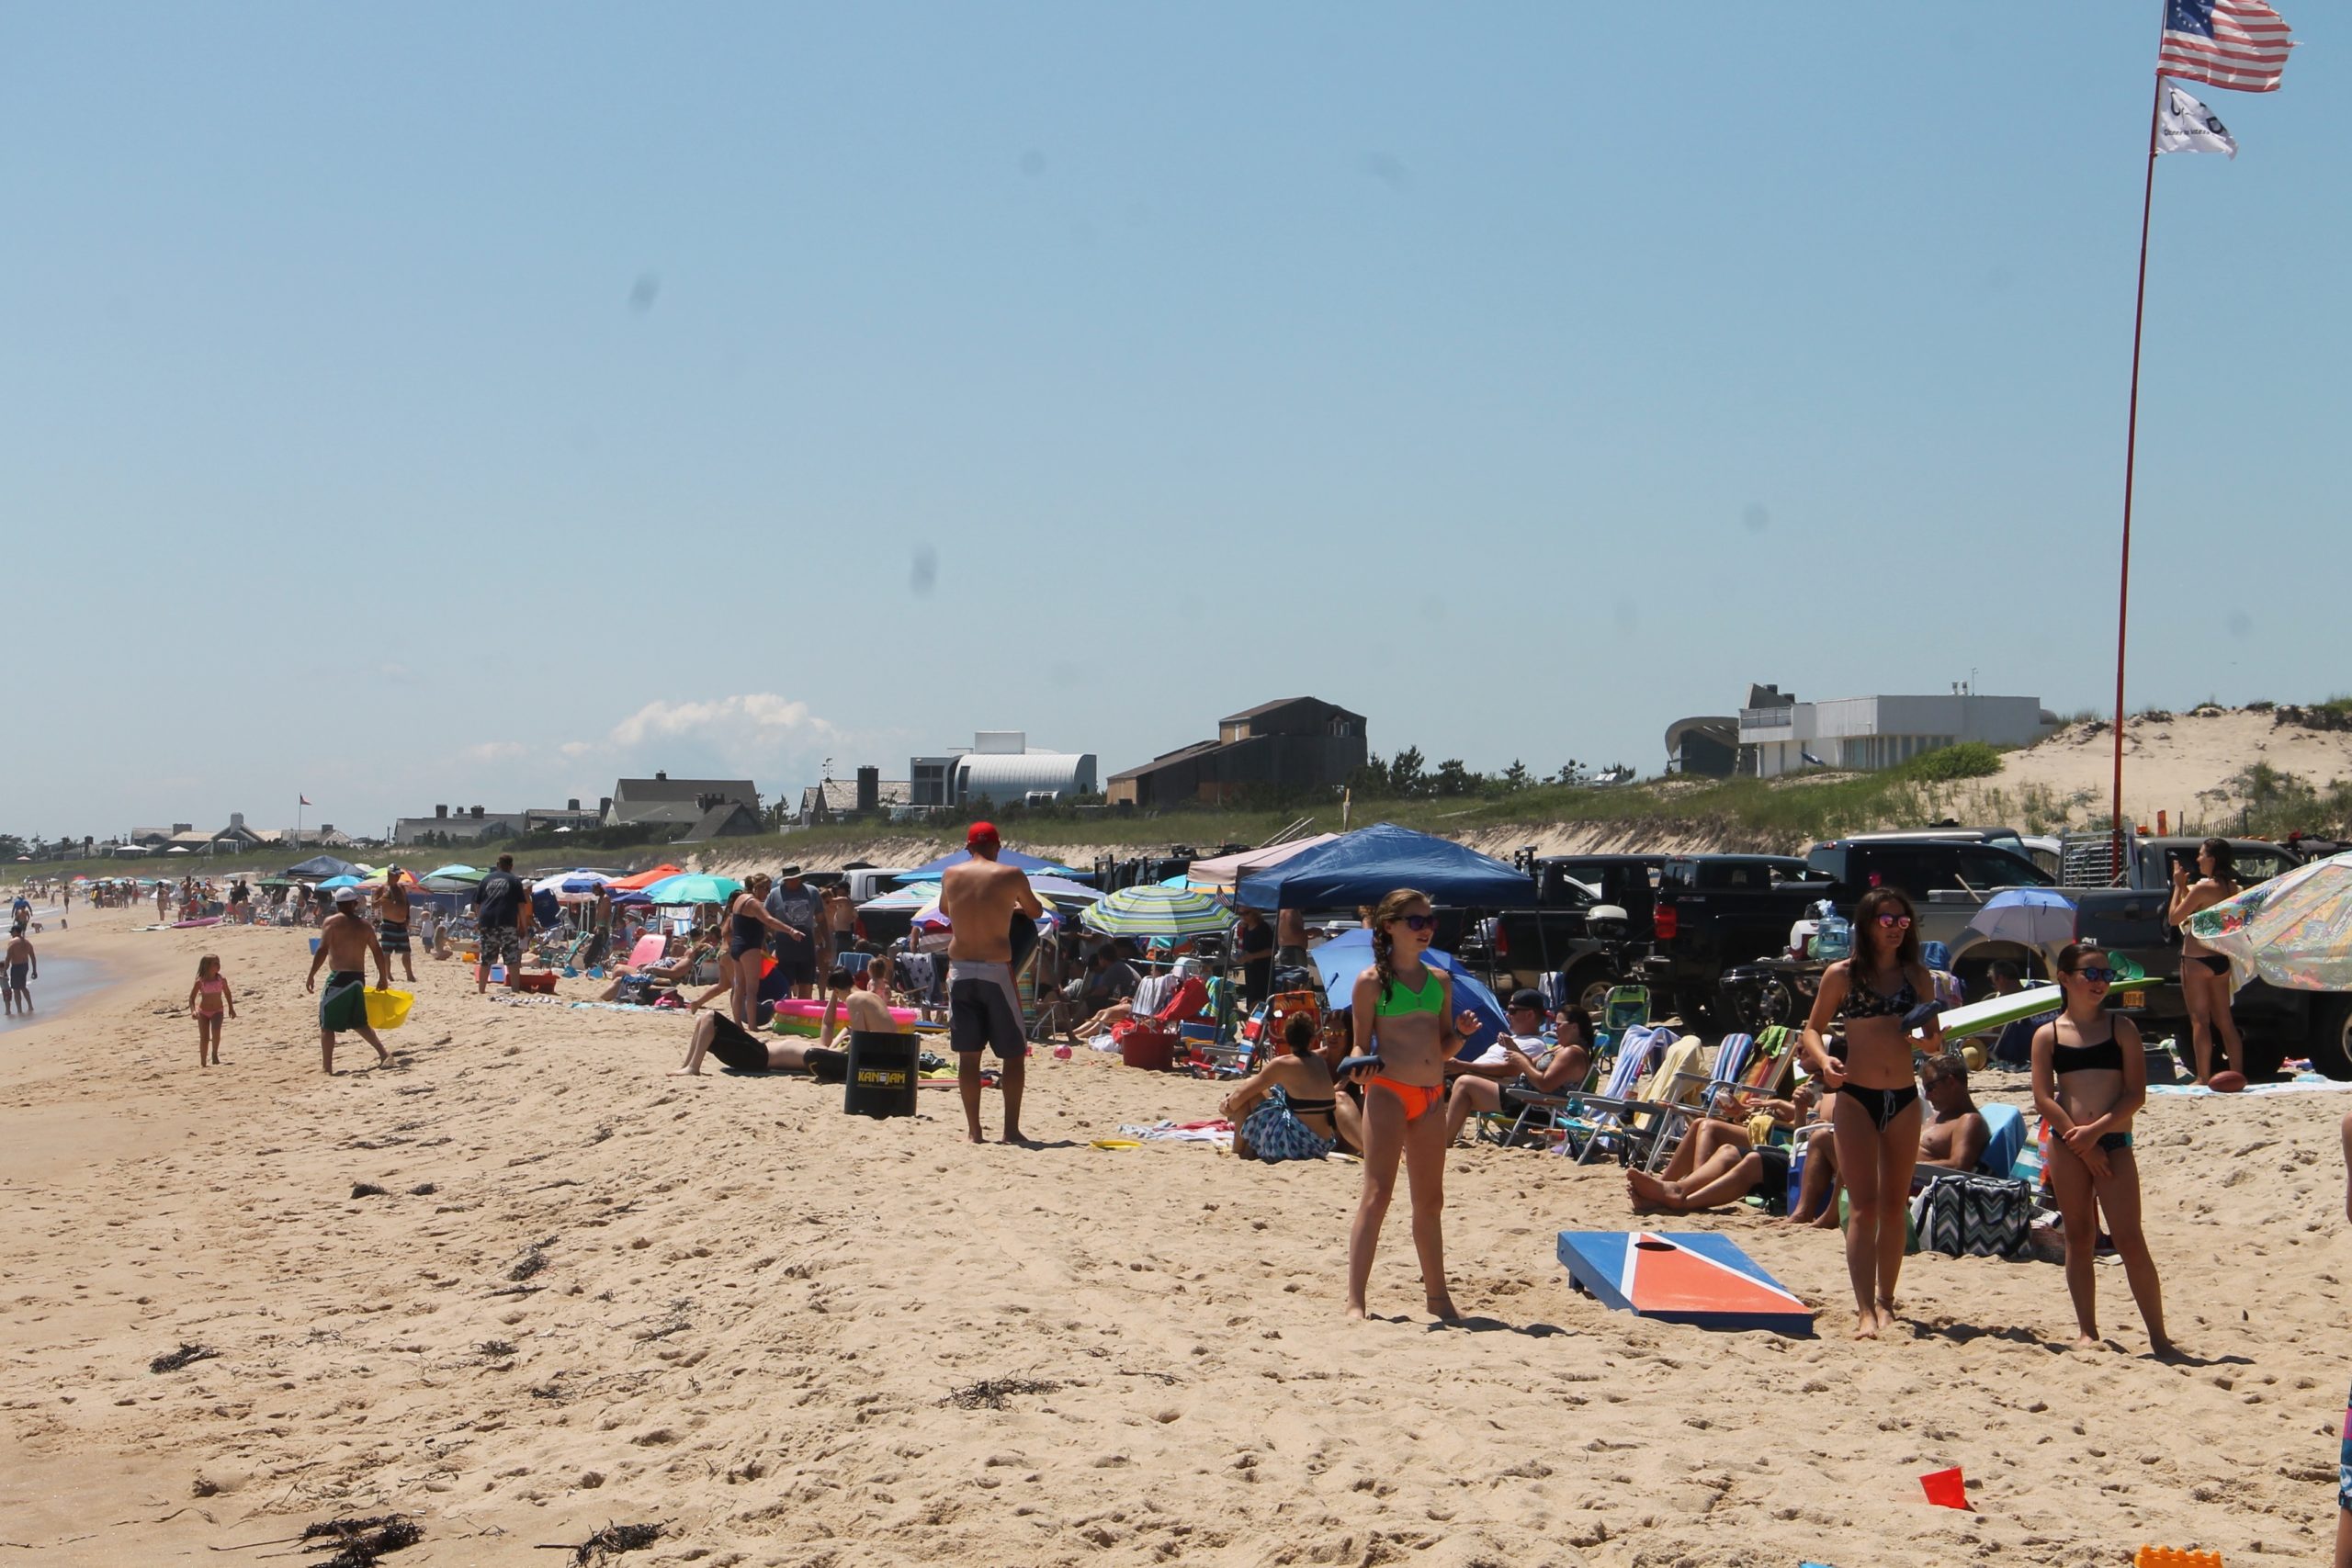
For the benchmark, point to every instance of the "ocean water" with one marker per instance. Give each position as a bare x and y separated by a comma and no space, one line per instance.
63,982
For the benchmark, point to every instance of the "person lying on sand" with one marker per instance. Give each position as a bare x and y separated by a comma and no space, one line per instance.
715,1034
1722,1162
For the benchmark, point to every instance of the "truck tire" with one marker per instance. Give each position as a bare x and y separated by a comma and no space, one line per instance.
1588,988
1770,1002
2330,1042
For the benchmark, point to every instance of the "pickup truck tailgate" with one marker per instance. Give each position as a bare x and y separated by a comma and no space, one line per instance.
2131,922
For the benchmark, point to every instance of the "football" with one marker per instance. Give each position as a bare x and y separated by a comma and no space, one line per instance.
2226,1082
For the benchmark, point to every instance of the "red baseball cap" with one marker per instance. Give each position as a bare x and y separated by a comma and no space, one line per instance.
980,833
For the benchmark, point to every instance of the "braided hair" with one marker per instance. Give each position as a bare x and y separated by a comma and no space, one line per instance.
1384,944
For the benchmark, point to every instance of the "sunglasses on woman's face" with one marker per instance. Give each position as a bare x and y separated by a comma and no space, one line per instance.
2090,976
1894,922
1418,922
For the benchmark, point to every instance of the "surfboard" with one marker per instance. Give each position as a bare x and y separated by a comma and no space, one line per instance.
1993,1012
1699,1278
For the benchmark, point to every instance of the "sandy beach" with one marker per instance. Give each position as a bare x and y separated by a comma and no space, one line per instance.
593,1293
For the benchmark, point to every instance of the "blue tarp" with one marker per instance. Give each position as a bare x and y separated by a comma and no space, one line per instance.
933,871
1365,866
1349,954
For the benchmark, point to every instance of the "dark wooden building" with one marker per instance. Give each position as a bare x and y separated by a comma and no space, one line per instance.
1293,745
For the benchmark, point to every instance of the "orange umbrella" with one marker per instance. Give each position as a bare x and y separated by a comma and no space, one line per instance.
647,878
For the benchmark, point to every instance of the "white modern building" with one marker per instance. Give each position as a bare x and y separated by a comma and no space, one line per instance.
1867,733
1001,766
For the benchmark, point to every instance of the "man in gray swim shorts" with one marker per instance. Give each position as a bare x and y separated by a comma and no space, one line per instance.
981,899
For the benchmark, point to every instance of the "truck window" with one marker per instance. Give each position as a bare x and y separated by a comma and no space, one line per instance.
1828,861
1983,868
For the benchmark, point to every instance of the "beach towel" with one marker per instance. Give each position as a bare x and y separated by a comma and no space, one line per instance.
1274,1134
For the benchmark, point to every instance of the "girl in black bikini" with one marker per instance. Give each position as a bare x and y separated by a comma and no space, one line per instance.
2089,1080
2205,973
1875,1111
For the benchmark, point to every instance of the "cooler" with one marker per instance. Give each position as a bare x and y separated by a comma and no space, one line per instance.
882,1074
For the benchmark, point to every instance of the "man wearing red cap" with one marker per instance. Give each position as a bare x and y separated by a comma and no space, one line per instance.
981,901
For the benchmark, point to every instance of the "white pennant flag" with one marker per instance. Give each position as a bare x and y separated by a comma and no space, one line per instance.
2184,124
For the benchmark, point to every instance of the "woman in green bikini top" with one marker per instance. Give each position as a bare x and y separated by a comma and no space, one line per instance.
1406,1005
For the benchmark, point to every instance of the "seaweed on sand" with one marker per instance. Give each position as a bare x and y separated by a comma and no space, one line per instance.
358,1543
176,1359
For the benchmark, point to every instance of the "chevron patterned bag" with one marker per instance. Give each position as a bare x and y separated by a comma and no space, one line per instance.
1978,1216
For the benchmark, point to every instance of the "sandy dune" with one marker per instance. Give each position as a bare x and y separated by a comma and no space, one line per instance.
753,1317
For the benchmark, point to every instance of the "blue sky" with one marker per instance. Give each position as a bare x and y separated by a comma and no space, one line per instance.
473,403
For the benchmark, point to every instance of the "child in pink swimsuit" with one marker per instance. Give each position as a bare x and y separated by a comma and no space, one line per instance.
211,1001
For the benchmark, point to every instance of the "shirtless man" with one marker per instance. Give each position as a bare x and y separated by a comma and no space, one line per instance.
980,899
391,921
20,958
346,944
850,1010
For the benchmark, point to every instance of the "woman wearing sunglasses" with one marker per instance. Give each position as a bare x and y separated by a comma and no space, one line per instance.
1408,1006
2090,1080
1875,1109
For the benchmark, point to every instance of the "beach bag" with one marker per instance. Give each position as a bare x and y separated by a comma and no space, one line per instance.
1974,1216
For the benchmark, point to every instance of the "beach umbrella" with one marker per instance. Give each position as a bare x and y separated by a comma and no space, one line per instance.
2294,931
1063,890
455,873
912,898
377,879
2033,918
639,881
572,881
334,882
1349,954
693,888
931,871
1157,912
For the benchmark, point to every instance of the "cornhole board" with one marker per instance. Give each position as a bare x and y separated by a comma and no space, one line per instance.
1694,1277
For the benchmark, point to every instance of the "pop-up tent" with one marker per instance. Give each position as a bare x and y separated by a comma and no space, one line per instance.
931,871
325,865
1365,866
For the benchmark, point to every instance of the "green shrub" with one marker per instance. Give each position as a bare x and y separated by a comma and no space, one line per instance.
1966,760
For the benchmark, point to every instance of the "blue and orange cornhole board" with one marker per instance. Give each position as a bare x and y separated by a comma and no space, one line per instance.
1694,1276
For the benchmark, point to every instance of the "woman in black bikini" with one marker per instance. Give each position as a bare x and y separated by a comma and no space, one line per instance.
2089,1080
748,924
2205,973
1875,1116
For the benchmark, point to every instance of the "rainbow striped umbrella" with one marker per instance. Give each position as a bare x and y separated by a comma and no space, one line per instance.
1157,912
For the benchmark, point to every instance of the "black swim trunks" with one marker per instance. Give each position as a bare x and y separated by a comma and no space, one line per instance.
983,1010
738,1047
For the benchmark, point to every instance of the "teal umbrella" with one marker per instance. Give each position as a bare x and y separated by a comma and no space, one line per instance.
1157,912
694,887
452,879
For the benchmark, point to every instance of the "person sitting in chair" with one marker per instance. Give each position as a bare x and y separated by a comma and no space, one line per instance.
1509,1071
1183,1004
1287,1109
1722,1161
1108,980
681,970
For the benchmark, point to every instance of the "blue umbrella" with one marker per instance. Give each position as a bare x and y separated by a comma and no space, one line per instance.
1345,956
2033,918
345,881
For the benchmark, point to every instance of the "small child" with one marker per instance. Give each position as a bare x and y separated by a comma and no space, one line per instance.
211,1001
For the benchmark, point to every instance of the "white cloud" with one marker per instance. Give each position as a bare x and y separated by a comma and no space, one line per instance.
494,751
576,748
750,719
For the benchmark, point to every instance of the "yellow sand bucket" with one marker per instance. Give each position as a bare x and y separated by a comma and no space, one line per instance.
389,1010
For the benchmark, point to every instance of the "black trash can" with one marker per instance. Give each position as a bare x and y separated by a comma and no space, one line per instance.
882,1074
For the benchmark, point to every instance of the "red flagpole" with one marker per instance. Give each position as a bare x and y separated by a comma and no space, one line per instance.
2131,451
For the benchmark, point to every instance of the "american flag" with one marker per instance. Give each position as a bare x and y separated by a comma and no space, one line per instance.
2239,44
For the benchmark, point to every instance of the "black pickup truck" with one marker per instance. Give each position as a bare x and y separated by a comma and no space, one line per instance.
1718,912
2275,1023
1551,936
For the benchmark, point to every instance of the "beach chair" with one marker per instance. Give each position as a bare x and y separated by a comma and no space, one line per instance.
1591,1122
2007,1142
1512,1124
1212,1039
1691,1097
648,952
1628,1006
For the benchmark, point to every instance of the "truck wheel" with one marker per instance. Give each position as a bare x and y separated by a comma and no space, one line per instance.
1764,1005
2331,1034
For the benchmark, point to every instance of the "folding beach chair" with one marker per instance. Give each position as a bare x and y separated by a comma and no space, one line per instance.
1628,1006
1213,1037
1525,1109
648,951
1591,1121
1689,1096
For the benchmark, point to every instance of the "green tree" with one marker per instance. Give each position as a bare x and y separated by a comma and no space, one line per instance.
1453,780
1516,777
1407,776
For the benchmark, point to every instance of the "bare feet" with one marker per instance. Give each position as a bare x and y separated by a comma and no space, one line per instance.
1866,1323
1016,1136
686,1071
1887,1312
1355,1311
2087,1340
1649,1192
2165,1350
1441,1307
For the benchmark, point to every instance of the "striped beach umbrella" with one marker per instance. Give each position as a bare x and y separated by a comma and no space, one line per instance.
1157,912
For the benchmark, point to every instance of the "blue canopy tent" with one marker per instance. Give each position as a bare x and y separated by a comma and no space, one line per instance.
931,871
1365,866
321,865
1349,954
